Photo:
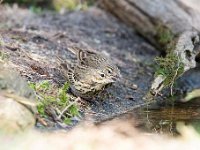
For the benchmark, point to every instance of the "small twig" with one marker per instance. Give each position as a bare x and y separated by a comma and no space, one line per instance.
68,114
68,106
58,111
42,121
176,73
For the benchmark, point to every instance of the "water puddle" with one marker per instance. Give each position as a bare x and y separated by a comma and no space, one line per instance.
163,120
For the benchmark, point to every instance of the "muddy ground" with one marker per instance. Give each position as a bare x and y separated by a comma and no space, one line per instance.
33,42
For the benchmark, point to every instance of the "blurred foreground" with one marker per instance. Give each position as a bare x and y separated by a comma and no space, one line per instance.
114,135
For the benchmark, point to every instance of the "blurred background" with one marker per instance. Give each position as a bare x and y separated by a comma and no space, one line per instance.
56,5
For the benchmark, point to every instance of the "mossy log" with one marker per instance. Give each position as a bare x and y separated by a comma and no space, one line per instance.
147,17
164,23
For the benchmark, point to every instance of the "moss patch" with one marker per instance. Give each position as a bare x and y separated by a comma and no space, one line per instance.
37,6
69,4
50,98
170,67
164,36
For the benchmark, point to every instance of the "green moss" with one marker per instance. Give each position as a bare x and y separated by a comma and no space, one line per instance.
169,67
36,9
29,3
164,35
51,97
37,6
69,4
41,109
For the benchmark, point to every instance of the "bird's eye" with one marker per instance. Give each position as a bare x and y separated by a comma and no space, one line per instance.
102,75
109,71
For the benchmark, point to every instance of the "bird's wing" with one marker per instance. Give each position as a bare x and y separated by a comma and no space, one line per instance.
82,53
65,66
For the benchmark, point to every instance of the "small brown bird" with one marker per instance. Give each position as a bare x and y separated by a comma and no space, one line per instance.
91,74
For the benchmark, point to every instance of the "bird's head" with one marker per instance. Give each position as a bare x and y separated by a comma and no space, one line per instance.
107,74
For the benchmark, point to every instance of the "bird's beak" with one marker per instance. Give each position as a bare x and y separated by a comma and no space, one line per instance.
116,78
111,80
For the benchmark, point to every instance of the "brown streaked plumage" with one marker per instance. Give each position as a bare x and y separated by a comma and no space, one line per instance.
91,74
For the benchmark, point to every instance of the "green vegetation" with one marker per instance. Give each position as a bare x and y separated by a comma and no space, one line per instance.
170,67
164,35
51,98
69,4
38,5
35,6
35,9
3,56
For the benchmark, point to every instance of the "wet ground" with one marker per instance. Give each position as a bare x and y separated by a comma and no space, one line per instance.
33,41
164,120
